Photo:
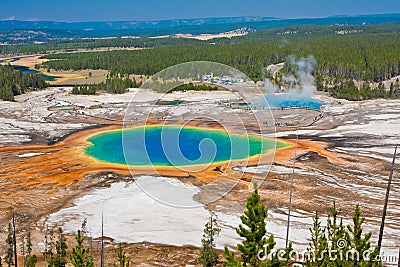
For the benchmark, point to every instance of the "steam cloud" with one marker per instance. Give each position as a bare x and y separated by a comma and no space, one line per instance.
305,87
302,86
301,89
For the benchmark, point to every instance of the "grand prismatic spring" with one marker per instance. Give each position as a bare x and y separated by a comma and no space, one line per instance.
176,146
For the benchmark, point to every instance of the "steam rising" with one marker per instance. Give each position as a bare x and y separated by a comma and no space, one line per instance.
301,89
305,81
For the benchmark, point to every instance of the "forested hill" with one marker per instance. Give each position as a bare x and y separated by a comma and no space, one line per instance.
73,45
29,31
312,30
342,54
144,42
366,57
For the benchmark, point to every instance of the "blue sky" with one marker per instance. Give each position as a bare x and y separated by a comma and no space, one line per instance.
95,10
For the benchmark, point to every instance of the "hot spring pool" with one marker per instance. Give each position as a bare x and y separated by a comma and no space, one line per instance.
278,101
175,146
170,103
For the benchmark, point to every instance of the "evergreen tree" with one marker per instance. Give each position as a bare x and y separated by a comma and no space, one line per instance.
79,256
23,252
335,230
357,242
9,259
123,261
61,247
31,260
335,245
318,245
360,245
84,231
396,89
75,90
28,243
230,260
391,90
49,245
13,82
338,244
208,255
253,230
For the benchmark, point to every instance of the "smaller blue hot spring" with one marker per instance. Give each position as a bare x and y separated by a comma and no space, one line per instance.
279,101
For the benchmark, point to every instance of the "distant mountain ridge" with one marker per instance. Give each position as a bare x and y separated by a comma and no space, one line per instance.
16,31
136,25
385,15
126,25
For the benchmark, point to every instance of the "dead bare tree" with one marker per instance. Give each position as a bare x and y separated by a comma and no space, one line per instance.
291,194
102,242
386,202
14,241
398,264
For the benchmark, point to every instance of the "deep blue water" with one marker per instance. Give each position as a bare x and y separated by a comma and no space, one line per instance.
24,69
11,60
174,146
27,70
278,101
